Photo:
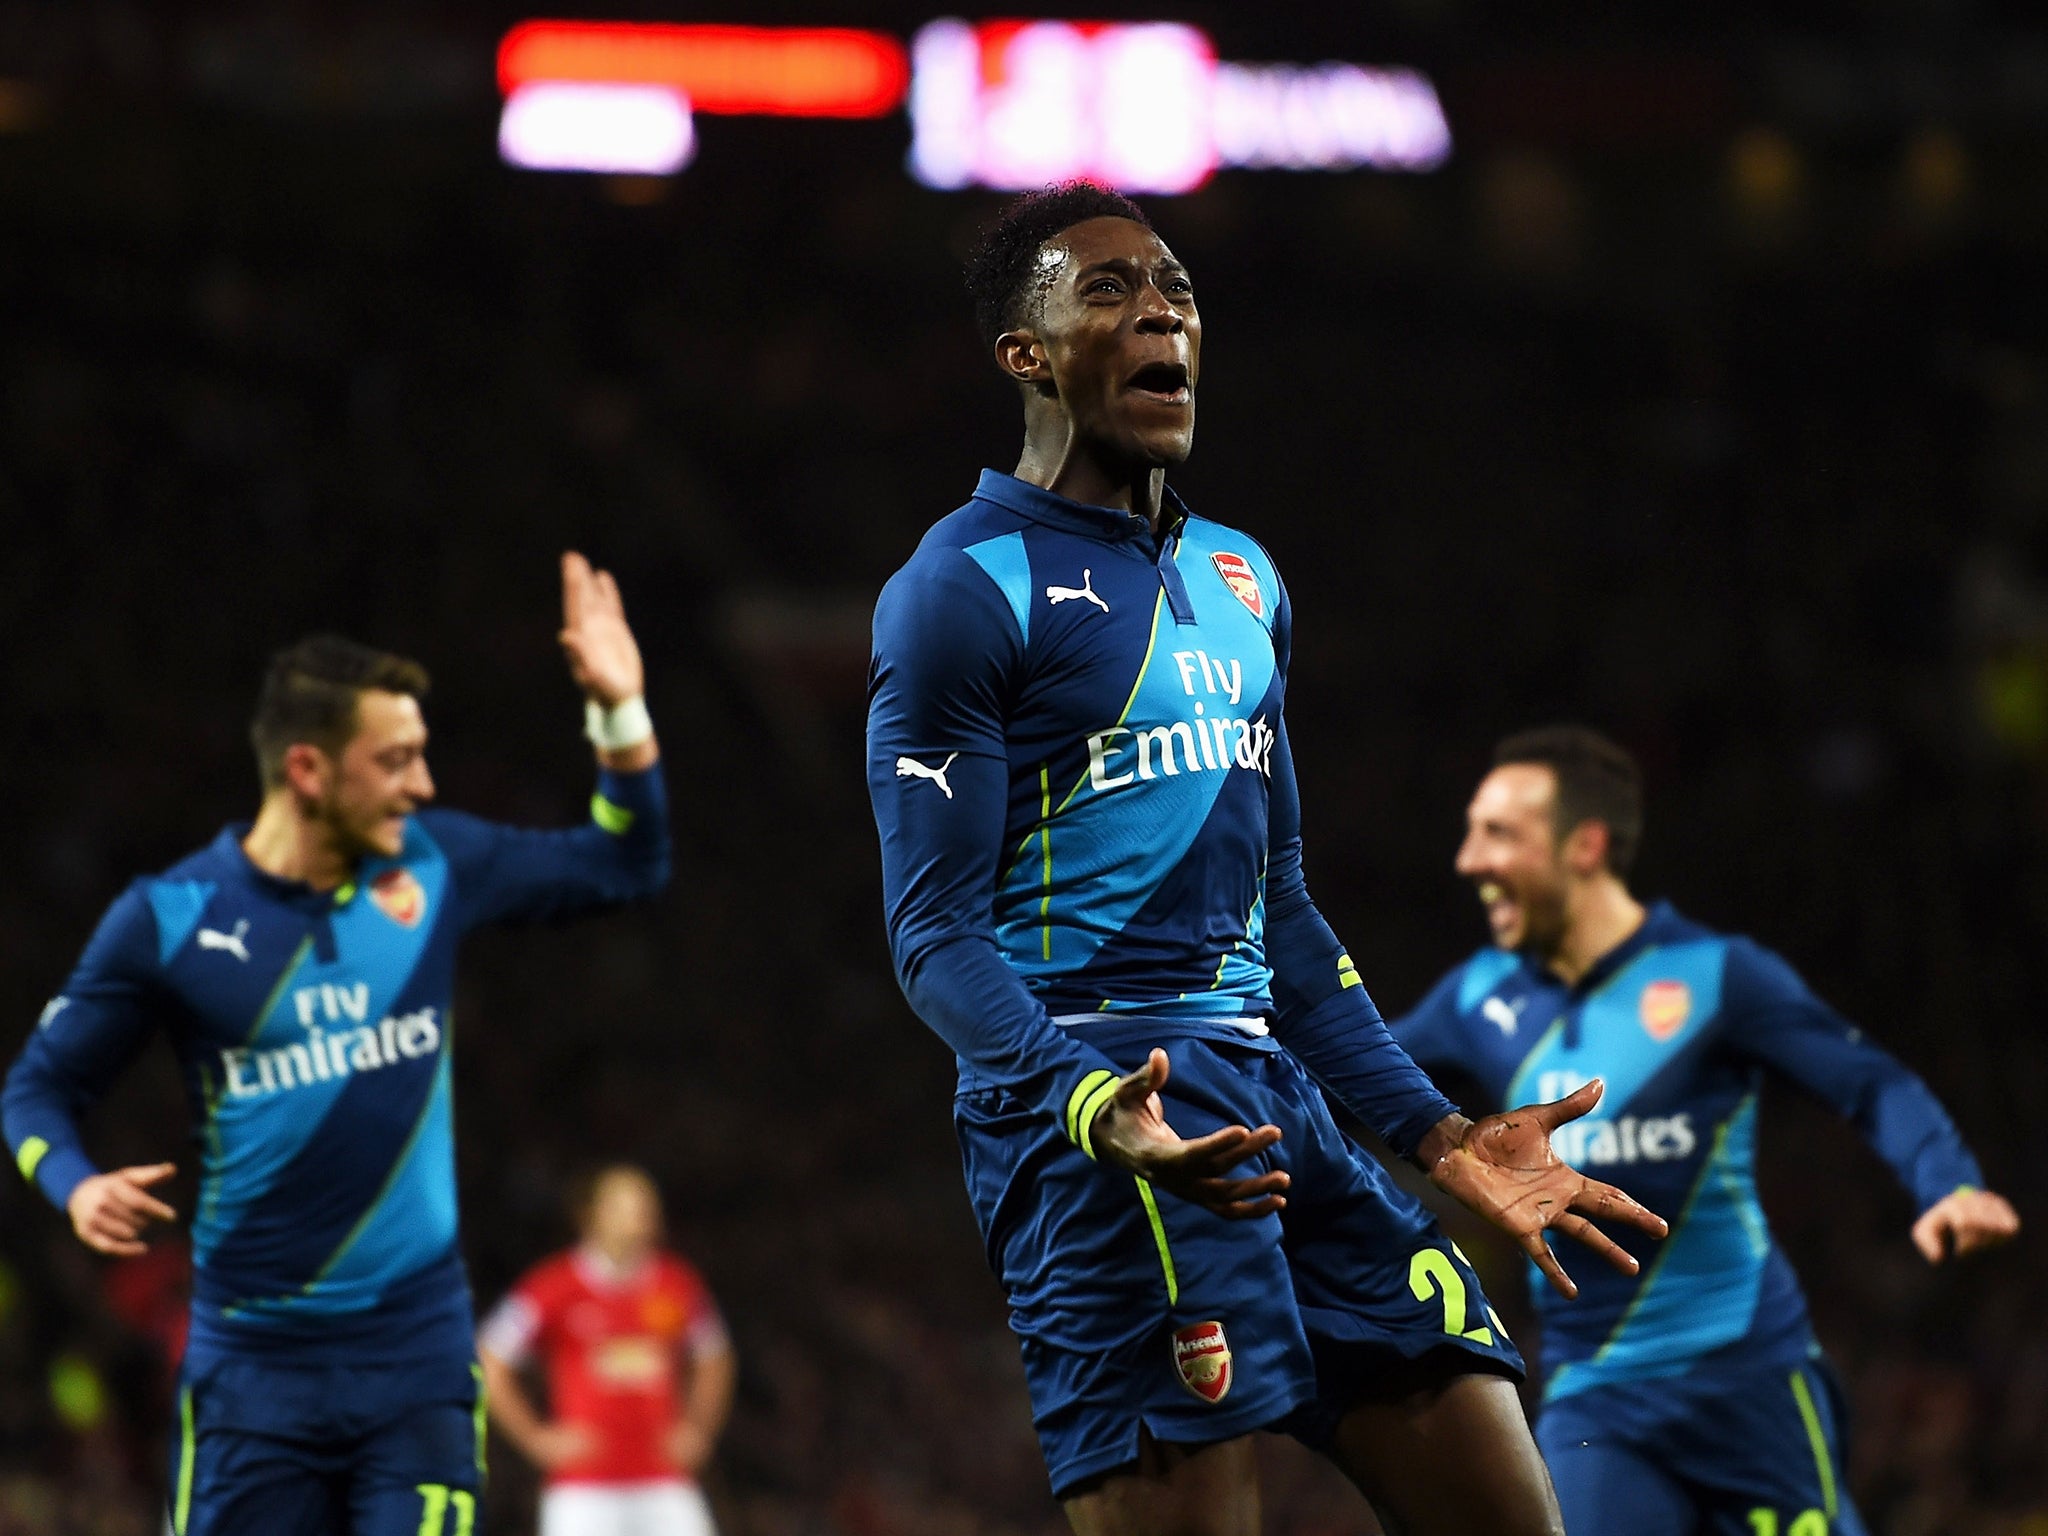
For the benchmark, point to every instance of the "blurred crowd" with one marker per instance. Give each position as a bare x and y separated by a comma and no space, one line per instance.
1736,446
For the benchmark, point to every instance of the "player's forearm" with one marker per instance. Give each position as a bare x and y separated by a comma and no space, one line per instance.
1327,1019
636,759
963,989
510,1408
712,1377
41,1127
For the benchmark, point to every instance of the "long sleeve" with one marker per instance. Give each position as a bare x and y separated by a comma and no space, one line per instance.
89,1032
945,649
1432,1032
520,873
1775,1019
1325,1016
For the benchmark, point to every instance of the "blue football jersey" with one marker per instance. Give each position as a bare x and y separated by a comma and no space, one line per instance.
1681,1023
1081,776
313,1030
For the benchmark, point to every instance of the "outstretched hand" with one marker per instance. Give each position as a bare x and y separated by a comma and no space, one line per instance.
603,656
1131,1132
1505,1168
110,1212
1964,1222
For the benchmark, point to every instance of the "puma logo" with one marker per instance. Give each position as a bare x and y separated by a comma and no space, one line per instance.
911,768
213,938
1083,593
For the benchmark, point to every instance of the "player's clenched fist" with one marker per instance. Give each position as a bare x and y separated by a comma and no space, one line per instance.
111,1211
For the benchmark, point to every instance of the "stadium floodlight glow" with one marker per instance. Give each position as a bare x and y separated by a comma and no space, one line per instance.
642,130
769,71
1014,104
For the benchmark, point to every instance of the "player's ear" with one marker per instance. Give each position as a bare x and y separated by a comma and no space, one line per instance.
308,770
1021,355
1585,848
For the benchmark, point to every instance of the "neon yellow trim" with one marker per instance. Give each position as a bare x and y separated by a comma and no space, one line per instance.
1045,835
1089,1110
1159,1237
31,1156
613,818
1657,1264
1079,1096
1965,1189
344,894
209,1183
187,1445
482,1416
398,1164
1822,1462
284,980
1347,973
434,1498
1158,605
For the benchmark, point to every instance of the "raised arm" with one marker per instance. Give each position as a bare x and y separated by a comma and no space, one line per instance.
87,1034
1774,1018
945,650
622,853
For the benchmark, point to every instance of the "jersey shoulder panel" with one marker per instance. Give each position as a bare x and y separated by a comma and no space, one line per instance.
1484,970
1236,560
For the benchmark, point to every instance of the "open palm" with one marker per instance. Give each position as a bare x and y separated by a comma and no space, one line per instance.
603,656
1506,1170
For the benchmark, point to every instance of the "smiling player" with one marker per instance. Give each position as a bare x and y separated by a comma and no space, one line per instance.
302,967
1091,850
1691,1398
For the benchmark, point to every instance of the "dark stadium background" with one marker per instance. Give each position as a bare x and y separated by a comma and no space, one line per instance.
1703,395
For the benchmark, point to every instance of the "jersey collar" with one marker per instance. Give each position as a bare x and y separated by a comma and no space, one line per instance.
1658,921
1104,523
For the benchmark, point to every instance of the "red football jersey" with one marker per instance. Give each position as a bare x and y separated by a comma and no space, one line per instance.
613,1347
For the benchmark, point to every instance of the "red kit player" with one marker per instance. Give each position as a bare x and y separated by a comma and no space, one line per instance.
639,1373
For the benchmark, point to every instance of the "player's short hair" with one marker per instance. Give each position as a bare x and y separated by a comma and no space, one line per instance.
310,692
1002,267
1597,780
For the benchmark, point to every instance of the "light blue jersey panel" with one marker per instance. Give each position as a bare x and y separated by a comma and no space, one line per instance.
323,1023
1702,1292
1196,709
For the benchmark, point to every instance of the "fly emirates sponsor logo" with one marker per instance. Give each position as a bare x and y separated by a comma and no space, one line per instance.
340,1042
1603,1143
1212,741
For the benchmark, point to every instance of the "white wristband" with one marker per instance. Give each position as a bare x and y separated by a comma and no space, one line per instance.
626,724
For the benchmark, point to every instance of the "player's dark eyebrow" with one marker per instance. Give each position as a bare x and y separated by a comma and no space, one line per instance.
1124,266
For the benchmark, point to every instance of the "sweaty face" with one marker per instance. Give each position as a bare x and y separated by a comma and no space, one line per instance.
380,778
1511,856
1122,339
625,1216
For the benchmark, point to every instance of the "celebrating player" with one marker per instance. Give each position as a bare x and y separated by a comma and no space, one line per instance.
639,1373
1690,1398
303,968
1091,854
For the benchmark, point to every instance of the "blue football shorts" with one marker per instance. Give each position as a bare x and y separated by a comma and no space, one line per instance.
263,1448
1720,1453
1136,1309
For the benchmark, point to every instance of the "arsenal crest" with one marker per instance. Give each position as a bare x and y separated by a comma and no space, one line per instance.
1665,1007
399,897
1237,575
1202,1356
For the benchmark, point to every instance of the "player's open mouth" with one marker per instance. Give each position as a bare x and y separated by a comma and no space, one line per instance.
1162,381
1500,907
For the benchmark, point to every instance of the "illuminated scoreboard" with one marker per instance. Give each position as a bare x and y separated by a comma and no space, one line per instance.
1144,106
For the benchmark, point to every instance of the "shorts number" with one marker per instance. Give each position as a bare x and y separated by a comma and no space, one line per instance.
1431,1273
1764,1522
434,1513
